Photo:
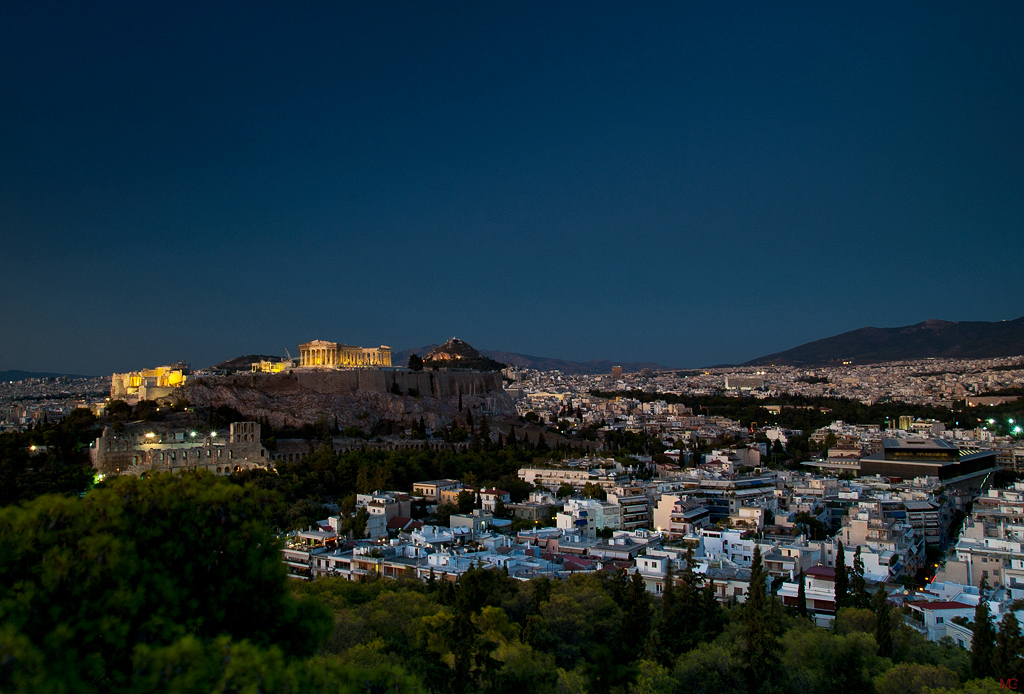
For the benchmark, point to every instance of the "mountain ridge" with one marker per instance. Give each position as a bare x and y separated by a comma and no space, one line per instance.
527,361
932,338
18,375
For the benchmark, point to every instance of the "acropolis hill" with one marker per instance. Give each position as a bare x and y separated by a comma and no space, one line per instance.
360,398
355,387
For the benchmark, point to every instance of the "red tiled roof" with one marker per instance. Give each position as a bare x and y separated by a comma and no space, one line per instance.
943,605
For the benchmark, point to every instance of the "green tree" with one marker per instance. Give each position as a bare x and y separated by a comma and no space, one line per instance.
485,431
759,633
829,442
1007,660
801,597
817,660
636,617
858,586
87,583
669,622
915,678
842,585
416,363
652,678
883,622
466,500
983,642
711,668
501,510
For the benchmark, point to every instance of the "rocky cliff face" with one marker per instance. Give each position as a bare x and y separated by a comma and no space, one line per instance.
360,398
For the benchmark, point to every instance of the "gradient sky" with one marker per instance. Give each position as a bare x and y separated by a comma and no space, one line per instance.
682,183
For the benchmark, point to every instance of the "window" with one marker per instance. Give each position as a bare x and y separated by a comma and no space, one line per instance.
938,620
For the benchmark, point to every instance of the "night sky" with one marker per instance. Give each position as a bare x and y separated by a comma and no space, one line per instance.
672,182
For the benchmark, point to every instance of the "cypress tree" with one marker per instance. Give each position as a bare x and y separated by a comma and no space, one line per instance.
710,612
669,626
759,633
857,583
801,597
485,432
1006,659
636,617
756,597
883,623
511,436
842,579
983,643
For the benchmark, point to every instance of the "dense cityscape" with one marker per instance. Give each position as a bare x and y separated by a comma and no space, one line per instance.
711,513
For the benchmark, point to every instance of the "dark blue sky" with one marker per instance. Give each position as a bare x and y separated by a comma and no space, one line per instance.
686,184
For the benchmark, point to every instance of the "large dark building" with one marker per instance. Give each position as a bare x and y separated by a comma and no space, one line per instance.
909,458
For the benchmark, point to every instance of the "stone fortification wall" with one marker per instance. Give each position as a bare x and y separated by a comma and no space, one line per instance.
361,398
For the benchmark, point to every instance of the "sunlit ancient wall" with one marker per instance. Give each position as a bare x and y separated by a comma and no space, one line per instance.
332,354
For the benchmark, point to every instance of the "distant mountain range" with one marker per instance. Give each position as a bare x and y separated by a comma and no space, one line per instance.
526,361
930,339
15,375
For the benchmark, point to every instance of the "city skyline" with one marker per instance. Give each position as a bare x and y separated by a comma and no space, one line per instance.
686,186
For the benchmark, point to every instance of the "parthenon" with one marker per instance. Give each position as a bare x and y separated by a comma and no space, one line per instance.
332,354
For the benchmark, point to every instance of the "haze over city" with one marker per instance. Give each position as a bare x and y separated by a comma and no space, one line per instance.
687,185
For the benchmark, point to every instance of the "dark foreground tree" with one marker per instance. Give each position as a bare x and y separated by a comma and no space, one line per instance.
983,642
842,588
156,578
883,622
760,643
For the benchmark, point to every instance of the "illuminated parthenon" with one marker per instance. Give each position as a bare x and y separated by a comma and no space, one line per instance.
331,354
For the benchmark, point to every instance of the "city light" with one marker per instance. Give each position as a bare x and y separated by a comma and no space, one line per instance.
150,434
